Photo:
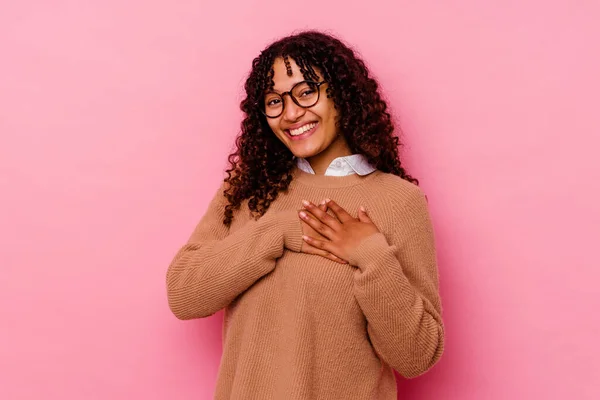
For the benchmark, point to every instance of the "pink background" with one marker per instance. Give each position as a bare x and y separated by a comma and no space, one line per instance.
116,119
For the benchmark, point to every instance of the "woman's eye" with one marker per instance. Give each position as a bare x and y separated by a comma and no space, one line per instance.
307,92
273,102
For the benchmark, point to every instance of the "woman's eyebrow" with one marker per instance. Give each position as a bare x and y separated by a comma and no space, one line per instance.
281,91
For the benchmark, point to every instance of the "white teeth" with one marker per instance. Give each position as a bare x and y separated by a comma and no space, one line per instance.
302,129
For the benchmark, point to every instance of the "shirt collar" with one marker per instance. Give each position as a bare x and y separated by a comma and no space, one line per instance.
341,166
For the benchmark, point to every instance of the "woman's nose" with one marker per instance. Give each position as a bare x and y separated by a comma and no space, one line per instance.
292,111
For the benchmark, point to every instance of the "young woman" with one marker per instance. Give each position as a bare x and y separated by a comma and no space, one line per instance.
318,245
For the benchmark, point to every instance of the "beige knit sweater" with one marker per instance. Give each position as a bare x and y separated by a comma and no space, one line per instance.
300,326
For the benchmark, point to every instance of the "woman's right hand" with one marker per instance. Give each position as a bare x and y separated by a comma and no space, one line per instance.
309,231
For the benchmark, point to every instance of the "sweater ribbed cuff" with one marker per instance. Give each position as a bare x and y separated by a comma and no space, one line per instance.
291,225
369,250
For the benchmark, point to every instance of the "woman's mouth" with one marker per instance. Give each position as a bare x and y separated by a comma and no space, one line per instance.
303,132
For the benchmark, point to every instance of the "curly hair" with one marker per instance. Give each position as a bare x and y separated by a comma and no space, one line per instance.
261,166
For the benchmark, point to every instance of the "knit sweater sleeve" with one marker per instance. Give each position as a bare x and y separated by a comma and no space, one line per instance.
396,286
216,265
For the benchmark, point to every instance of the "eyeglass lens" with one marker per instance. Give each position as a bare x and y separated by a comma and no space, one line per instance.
305,94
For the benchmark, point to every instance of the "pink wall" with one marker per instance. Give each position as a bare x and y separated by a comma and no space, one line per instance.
115,120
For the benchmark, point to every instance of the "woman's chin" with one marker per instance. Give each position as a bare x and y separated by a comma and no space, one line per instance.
304,153
304,149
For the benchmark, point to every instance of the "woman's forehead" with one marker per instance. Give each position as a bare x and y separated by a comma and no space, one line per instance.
282,80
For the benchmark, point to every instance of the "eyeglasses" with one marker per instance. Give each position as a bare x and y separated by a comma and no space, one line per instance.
305,94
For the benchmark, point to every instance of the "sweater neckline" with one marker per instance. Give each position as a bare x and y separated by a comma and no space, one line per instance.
327,181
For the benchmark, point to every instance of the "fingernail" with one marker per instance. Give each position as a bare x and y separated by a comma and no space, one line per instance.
302,214
327,200
305,237
306,203
322,203
362,209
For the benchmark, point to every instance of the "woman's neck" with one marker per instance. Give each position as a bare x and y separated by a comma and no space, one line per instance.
338,148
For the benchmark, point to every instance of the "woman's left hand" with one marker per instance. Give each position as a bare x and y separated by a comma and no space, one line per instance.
344,233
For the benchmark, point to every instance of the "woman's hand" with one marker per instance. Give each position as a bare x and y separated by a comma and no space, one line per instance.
307,230
336,236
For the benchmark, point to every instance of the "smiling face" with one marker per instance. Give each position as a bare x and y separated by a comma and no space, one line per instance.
309,133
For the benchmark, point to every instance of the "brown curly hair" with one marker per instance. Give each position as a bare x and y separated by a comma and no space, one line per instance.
262,165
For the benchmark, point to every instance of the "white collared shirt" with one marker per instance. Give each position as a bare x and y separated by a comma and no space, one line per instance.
341,166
